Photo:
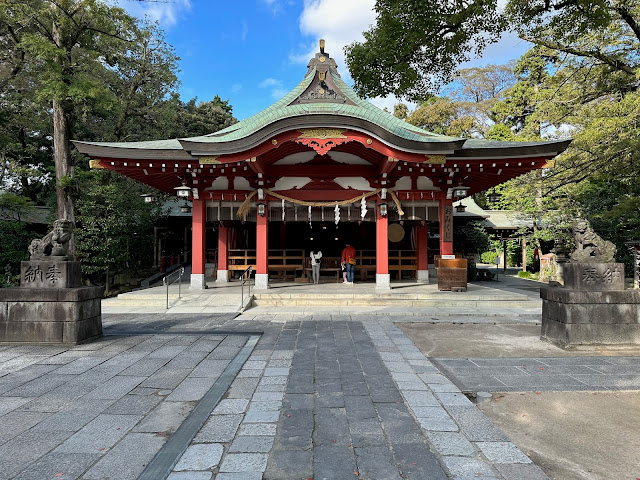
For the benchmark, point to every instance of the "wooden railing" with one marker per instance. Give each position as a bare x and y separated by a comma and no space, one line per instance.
294,263
399,261
285,263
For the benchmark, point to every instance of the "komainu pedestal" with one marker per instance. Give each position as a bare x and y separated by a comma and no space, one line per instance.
592,308
50,306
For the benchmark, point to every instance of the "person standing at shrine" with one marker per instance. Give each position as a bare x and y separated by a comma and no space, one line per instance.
315,266
349,261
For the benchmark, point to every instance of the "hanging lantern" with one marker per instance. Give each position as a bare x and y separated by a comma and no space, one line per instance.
494,196
262,209
460,191
185,208
183,191
460,208
383,209
149,198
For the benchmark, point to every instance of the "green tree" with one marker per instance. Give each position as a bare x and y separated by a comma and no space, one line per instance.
70,40
415,46
14,236
115,225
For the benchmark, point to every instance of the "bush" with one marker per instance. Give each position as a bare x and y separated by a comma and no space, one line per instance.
525,275
489,257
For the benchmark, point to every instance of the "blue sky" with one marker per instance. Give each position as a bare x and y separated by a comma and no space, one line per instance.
252,52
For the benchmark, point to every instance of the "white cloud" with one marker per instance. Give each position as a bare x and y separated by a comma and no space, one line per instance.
270,82
245,31
166,14
348,20
276,86
236,87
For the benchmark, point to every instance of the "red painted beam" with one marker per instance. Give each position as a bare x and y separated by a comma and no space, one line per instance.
382,243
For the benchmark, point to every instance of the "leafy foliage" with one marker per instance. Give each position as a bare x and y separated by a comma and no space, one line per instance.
415,46
114,224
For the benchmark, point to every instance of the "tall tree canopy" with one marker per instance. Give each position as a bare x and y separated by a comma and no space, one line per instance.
416,45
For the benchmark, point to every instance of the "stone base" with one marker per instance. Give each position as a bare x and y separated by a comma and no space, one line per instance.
572,318
423,276
67,316
383,281
594,277
52,272
198,281
223,276
261,281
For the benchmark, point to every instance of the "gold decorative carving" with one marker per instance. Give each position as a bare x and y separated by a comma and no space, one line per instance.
441,159
95,164
209,160
322,133
251,160
321,91
321,76
274,141
322,59
391,159
369,141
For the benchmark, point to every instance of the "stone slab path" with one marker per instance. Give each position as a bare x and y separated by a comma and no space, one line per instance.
320,397
512,374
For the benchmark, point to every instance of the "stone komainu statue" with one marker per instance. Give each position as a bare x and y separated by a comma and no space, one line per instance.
54,243
590,247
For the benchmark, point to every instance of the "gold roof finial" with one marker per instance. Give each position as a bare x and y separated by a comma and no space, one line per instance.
322,45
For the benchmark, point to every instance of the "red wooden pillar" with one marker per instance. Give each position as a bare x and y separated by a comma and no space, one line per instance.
223,254
198,243
383,280
446,227
422,253
262,250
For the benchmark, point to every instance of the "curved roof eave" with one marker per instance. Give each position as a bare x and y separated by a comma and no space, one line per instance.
354,113
149,150
321,120
474,148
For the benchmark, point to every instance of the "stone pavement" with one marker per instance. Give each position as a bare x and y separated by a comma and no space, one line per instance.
323,396
514,374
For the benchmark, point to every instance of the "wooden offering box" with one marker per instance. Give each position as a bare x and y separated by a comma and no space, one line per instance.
452,274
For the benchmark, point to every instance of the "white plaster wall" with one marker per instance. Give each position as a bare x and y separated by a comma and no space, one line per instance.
287,183
241,183
425,183
357,183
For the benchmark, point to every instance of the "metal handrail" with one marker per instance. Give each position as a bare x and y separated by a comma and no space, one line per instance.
179,280
246,277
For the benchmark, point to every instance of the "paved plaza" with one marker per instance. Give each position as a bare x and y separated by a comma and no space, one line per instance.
273,395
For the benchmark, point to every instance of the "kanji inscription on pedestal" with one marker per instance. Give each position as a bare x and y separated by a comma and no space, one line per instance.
50,274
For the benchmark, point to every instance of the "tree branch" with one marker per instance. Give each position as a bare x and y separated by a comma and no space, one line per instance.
617,64
628,18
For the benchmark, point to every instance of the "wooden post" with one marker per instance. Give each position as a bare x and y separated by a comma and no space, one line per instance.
422,253
446,227
223,254
198,242
383,280
262,250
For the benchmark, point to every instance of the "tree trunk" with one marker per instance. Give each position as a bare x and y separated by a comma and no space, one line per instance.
64,165
62,114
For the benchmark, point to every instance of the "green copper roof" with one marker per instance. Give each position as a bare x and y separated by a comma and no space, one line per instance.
283,108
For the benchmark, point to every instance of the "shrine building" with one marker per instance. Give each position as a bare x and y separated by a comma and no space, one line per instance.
316,170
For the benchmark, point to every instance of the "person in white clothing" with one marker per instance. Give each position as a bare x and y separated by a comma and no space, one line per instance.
315,266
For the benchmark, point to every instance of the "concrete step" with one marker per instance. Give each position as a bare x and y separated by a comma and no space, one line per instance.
461,299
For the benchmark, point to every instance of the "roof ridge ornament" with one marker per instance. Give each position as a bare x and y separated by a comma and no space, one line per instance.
322,45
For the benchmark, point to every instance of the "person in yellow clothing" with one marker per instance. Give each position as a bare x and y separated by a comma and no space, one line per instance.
349,261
